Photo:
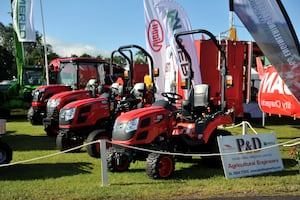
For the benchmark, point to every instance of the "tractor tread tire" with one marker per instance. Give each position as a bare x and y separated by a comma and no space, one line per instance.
212,146
112,162
94,149
155,163
64,143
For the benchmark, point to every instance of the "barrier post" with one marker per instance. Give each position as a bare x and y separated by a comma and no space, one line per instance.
103,163
245,128
263,119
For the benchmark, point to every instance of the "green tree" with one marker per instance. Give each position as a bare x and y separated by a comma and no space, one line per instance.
33,51
85,55
140,57
6,60
119,60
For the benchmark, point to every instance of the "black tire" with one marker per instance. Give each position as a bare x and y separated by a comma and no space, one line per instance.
5,153
94,149
33,119
160,166
64,143
114,165
51,132
212,147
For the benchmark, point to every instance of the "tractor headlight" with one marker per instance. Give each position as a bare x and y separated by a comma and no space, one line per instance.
67,114
132,125
53,102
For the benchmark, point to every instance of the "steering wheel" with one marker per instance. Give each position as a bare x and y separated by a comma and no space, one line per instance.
171,96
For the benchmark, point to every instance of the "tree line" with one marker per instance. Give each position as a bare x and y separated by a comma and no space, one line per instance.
34,53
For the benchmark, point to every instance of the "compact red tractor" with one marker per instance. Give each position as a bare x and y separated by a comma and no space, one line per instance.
65,74
191,127
93,118
89,78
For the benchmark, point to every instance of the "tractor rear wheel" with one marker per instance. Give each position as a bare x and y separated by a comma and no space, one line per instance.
213,147
64,143
160,166
5,153
94,148
117,162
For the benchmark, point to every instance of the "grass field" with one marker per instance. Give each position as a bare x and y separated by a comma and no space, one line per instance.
78,176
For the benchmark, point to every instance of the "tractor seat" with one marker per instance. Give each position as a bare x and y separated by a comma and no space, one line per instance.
92,87
201,96
198,101
139,90
116,89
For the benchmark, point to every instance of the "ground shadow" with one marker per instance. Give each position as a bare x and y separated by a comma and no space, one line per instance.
43,171
24,142
198,170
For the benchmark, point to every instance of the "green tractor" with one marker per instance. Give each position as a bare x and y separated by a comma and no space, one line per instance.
16,94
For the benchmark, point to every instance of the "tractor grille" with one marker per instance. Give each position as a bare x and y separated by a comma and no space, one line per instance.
52,112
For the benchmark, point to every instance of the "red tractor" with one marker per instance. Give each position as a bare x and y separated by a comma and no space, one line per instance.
93,118
191,127
65,74
91,82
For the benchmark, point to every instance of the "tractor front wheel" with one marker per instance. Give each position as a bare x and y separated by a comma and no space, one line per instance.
94,148
5,153
117,162
64,143
50,131
32,118
159,166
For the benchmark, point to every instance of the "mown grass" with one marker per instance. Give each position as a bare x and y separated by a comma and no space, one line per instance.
78,176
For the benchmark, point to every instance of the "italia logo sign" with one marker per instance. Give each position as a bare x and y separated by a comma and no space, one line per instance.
155,35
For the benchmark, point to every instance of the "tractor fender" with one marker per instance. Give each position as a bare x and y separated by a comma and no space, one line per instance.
212,125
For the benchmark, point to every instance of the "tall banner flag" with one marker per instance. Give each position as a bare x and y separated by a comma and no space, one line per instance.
22,11
173,19
155,42
268,23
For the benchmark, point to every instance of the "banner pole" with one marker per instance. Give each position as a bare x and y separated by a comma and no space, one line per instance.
45,45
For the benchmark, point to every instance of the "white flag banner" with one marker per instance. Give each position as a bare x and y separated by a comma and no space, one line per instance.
23,20
155,41
175,21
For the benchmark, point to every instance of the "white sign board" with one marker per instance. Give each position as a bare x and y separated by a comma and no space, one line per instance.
247,155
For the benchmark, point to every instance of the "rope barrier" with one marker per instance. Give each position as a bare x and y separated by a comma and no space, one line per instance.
47,156
289,143
208,154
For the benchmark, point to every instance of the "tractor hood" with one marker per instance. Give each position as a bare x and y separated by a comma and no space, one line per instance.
84,102
65,94
57,101
140,125
53,86
138,113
